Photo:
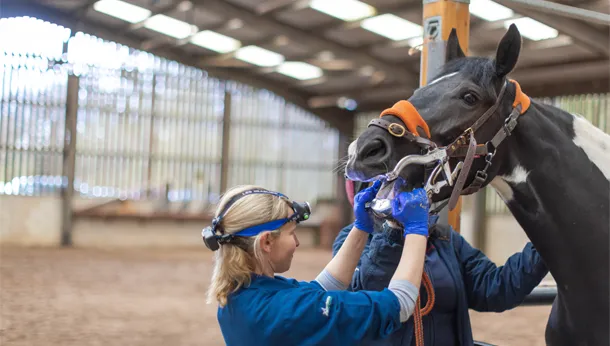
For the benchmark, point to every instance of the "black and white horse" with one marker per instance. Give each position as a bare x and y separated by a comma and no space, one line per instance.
552,169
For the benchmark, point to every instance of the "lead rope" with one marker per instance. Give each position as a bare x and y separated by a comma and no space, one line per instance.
420,312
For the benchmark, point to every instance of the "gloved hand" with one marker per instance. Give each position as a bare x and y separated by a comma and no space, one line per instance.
411,209
364,218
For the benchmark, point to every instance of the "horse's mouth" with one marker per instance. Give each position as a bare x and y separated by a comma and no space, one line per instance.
356,171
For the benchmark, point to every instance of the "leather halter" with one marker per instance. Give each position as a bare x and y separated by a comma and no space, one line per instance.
397,130
464,145
520,106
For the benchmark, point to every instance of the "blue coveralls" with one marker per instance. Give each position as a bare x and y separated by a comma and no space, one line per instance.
462,276
281,311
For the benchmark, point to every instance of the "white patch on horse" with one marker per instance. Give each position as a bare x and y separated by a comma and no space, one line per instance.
443,77
351,150
517,176
594,142
502,186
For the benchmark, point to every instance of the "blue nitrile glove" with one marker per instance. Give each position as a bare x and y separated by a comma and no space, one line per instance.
364,218
411,209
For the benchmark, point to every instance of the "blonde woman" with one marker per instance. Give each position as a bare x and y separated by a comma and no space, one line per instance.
254,233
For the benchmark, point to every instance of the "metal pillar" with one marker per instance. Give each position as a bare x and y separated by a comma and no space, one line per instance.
480,219
440,17
347,211
226,140
69,159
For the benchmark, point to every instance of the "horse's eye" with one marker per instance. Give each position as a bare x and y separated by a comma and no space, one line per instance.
470,99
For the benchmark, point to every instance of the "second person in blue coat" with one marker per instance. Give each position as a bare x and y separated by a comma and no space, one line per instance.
462,277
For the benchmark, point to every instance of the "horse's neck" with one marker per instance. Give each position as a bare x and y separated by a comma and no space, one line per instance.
555,182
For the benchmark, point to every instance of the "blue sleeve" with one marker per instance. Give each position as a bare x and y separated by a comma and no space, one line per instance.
312,316
378,261
493,288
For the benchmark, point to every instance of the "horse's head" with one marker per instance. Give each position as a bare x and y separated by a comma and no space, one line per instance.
465,89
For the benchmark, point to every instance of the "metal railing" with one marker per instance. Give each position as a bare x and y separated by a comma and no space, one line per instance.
144,121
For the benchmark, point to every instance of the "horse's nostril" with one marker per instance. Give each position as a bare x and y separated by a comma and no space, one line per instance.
374,148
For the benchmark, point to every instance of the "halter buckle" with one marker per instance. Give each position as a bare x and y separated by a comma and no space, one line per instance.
395,133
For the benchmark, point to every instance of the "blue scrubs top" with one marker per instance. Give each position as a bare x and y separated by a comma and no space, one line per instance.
281,311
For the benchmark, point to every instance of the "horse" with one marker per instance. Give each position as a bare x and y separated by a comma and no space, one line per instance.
550,167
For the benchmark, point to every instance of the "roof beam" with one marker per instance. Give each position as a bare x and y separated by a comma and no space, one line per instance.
564,11
272,7
337,118
315,42
583,34
584,72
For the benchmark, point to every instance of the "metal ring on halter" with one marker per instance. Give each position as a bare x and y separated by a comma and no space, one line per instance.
396,134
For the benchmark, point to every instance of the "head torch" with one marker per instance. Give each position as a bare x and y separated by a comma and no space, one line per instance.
302,212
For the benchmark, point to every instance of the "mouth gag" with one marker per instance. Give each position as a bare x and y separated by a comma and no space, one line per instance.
440,176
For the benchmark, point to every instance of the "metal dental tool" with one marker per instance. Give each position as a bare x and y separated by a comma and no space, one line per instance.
382,207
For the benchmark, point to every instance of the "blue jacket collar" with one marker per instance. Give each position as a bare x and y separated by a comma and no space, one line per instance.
274,283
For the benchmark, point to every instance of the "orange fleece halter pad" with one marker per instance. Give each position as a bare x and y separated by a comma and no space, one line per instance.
520,97
406,112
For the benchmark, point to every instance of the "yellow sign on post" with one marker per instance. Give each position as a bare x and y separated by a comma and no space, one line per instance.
440,17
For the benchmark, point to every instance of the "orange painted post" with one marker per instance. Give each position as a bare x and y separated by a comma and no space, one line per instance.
439,18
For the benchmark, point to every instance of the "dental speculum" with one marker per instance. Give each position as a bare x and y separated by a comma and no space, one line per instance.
382,205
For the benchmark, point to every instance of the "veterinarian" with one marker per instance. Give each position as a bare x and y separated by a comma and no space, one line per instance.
254,233
462,278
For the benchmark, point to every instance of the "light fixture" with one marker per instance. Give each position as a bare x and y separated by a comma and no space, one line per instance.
170,26
392,27
215,41
300,70
259,56
489,10
347,10
532,29
122,10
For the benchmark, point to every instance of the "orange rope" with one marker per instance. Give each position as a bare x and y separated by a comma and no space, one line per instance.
420,312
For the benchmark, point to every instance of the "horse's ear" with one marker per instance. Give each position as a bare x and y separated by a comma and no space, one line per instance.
508,51
454,50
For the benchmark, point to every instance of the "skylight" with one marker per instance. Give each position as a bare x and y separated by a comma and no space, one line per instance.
392,27
489,10
215,41
170,26
347,10
259,56
122,10
532,29
300,70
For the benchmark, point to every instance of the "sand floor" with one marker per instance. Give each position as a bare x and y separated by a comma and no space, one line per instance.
80,297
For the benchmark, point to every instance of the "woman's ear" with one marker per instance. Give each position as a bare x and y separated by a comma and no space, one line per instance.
266,242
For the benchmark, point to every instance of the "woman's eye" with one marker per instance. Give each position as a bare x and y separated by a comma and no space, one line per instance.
470,99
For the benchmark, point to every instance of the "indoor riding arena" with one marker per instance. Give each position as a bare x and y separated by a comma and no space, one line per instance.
123,122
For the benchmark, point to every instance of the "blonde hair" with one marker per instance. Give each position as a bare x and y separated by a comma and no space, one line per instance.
236,261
